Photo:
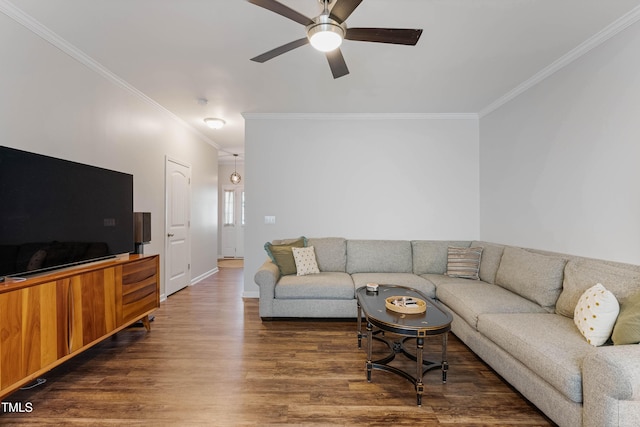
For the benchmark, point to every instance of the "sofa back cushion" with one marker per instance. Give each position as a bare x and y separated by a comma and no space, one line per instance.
331,253
535,277
490,261
379,256
430,256
581,274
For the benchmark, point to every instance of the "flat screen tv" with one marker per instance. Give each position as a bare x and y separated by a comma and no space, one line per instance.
56,213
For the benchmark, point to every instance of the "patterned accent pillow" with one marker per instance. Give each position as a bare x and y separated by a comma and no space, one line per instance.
596,314
305,261
464,262
627,328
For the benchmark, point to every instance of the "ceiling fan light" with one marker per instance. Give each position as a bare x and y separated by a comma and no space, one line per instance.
325,37
214,123
325,34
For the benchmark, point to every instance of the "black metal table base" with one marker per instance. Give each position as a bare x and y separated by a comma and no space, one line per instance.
435,321
398,347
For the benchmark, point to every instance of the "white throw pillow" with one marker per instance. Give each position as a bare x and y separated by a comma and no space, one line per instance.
596,314
305,259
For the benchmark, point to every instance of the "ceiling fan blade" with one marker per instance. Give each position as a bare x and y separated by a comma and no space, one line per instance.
343,9
384,35
337,63
280,50
283,10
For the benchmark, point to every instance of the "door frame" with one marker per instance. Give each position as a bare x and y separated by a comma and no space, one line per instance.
237,214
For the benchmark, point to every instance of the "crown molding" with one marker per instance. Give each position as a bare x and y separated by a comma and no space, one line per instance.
46,34
582,49
360,116
51,37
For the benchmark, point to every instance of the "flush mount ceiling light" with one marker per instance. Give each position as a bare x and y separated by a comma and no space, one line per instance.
214,123
235,176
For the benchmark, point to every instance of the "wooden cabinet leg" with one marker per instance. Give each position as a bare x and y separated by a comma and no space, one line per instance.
146,323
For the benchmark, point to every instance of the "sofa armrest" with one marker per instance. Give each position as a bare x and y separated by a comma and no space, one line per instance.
611,386
266,278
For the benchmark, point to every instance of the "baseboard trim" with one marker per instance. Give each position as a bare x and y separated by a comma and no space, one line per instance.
251,294
201,277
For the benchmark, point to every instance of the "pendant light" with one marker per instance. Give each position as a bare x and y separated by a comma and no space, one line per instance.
235,176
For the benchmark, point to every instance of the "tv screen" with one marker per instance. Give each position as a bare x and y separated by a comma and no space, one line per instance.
58,213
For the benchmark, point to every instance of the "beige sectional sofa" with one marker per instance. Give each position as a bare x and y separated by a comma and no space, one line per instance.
518,317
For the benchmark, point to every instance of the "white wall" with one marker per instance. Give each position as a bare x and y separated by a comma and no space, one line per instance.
358,177
559,164
52,104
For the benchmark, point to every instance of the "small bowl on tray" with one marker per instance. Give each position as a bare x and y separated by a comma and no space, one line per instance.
406,305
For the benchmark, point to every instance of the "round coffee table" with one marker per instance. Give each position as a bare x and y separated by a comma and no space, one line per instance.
434,321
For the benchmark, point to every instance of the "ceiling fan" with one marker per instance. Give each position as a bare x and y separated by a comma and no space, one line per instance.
326,31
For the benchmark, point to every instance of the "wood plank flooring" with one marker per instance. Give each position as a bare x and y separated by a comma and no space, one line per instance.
209,360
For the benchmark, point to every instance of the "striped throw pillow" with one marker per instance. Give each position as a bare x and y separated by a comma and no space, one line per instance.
463,262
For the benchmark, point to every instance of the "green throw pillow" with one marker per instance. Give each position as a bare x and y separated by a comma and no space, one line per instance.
627,328
282,255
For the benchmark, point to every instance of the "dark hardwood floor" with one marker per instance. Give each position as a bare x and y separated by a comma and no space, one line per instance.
210,361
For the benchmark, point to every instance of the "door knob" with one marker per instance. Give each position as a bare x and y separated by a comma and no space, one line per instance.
170,234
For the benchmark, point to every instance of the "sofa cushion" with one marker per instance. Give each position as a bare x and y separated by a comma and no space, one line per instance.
627,327
581,274
305,259
401,279
379,256
549,344
325,285
282,255
430,256
331,253
596,314
471,298
490,261
463,262
530,275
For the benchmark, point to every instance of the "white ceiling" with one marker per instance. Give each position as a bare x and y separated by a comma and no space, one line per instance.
471,53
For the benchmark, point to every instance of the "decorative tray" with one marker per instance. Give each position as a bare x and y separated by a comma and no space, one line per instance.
407,305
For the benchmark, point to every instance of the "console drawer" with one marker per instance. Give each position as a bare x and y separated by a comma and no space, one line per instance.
139,288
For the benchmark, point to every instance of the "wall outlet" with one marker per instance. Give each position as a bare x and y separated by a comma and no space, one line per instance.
269,219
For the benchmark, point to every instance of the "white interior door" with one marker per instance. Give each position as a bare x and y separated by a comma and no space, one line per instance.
233,221
177,253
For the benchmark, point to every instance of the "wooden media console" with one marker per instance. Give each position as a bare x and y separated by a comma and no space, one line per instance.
48,319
